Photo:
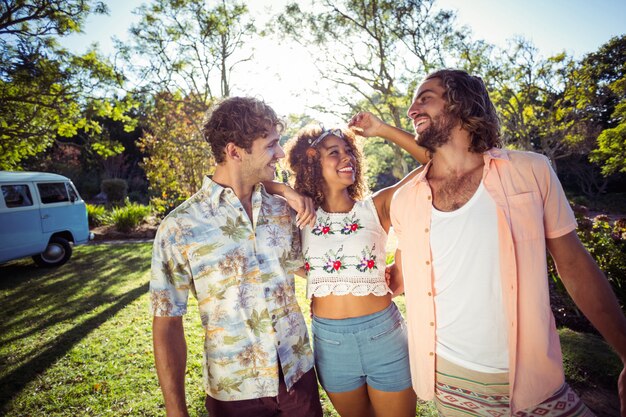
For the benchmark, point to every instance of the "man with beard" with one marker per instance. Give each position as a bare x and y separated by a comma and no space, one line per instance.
473,229
235,247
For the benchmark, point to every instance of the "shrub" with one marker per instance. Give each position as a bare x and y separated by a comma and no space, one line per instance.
97,215
607,245
115,189
163,205
128,216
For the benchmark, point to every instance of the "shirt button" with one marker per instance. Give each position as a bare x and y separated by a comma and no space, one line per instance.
432,323
426,230
267,290
430,293
431,354
261,261
278,343
427,262
273,316
429,198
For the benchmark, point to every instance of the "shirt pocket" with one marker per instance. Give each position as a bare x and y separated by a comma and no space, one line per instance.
526,211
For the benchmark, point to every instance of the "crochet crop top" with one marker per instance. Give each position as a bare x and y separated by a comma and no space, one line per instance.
344,253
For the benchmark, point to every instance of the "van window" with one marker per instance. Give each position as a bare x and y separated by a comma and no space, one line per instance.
17,195
52,192
72,191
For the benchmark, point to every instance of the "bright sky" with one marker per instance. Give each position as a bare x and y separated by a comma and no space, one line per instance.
280,73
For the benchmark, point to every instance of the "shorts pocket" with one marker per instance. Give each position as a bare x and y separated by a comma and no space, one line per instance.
326,340
396,325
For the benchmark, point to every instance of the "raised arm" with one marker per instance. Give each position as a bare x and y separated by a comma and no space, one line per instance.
592,293
368,125
170,357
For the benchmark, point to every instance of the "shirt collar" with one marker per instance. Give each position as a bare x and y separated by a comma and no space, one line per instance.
495,153
214,191
489,155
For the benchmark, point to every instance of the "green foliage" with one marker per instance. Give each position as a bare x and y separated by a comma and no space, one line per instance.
177,156
371,53
601,95
128,216
533,97
611,149
45,91
96,214
606,243
188,46
115,189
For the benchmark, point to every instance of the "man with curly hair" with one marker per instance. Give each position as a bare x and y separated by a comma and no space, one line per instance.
473,229
235,247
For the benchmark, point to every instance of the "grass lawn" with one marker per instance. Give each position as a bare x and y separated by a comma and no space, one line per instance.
76,341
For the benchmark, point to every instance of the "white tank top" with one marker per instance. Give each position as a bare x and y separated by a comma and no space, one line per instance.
345,252
469,311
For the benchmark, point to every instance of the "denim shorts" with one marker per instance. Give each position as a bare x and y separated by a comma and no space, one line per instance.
369,349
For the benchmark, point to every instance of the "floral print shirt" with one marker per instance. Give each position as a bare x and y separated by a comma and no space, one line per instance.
242,276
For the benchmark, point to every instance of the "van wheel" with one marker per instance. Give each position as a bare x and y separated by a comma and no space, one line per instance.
57,253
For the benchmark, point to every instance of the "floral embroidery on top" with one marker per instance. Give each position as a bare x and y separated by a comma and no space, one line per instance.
368,260
350,225
307,262
323,227
334,261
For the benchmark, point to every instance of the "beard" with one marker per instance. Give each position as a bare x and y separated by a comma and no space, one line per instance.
438,133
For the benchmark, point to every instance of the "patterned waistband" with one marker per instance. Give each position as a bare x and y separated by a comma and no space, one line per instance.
462,392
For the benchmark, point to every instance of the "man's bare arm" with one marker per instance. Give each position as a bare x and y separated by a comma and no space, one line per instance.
592,293
170,356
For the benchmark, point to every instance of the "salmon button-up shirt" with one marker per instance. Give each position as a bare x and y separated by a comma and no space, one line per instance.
531,207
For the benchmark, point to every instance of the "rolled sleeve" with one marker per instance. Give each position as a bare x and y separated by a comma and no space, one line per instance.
558,216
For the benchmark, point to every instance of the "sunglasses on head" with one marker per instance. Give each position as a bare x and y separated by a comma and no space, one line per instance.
334,132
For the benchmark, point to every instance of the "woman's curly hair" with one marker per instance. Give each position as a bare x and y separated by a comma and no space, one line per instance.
239,120
467,99
304,162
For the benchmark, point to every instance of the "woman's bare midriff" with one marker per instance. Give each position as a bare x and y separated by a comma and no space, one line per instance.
346,306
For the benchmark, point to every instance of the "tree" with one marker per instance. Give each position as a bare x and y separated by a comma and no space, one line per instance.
604,98
177,156
612,144
46,91
534,104
183,53
185,46
372,51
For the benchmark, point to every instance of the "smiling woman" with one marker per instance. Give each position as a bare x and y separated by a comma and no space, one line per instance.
344,254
